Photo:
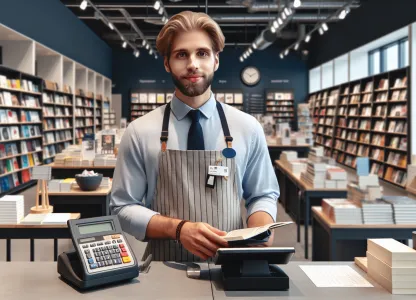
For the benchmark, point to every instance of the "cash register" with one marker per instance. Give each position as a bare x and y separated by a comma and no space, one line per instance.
102,254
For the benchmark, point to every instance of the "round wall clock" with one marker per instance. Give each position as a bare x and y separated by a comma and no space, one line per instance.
250,76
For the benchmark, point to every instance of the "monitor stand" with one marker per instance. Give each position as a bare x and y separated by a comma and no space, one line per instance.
253,275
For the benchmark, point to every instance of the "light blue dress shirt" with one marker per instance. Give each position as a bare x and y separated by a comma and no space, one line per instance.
135,176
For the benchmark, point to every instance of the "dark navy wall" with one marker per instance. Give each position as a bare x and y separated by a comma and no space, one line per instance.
372,20
128,71
50,23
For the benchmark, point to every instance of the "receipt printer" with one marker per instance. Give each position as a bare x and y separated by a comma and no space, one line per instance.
254,269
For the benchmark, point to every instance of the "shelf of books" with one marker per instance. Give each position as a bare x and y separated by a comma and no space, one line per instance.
371,121
57,107
84,115
143,102
280,104
98,113
20,128
231,97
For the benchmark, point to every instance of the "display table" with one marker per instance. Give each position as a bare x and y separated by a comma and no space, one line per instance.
337,242
62,172
290,186
40,280
32,232
89,204
301,287
275,150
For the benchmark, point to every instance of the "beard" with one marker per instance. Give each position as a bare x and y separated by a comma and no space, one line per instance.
193,89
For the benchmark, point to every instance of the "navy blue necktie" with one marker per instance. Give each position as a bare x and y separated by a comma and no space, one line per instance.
195,134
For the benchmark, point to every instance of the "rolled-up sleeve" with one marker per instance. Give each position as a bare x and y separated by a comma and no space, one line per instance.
129,187
260,186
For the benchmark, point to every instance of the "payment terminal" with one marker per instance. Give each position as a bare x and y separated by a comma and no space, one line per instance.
102,254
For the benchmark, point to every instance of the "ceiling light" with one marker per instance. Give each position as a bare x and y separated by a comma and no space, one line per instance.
166,20
137,53
254,45
321,31
281,55
287,11
307,38
144,43
163,19
161,11
296,46
245,56
111,25
241,59
157,5
272,29
275,24
83,4
151,51
147,46
279,21
297,3
283,15
250,51
155,56
122,38
324,27
286,51
342,14
124,44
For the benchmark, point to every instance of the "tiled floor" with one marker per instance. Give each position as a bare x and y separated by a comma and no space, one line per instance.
285,236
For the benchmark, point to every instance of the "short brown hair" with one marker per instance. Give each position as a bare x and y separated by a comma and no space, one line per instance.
188,21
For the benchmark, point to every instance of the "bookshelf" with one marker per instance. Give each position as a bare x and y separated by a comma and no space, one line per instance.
84,115
143,102
57,124
234,98
98,113
280,104
371,121
109,116
20,128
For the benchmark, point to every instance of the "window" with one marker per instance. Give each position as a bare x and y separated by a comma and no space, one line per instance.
374,60
389,57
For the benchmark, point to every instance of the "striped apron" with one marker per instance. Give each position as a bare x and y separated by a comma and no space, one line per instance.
181,192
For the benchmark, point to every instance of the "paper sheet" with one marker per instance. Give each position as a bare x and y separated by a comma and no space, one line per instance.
335,276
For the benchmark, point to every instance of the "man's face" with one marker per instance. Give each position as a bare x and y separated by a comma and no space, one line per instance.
192,63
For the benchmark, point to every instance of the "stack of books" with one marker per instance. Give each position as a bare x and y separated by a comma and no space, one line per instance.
336,178
70,156
105,160
316,154
342,211
393,265
404,209
46,219
321,175
291,161
377,212
305,123
11,209
61,185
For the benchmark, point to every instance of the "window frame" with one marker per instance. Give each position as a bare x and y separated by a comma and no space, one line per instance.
383,57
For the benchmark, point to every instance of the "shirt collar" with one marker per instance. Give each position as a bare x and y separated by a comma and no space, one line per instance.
180,109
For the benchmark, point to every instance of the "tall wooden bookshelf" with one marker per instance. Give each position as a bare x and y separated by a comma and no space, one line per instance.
280,104
20,128
57,120
371,120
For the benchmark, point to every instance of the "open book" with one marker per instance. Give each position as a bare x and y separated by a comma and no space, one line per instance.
254,235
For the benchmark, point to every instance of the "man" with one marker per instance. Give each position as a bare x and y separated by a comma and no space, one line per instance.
162,191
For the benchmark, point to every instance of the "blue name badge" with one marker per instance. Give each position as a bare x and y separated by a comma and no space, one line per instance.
229,153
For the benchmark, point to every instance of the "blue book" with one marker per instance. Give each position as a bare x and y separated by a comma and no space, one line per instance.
363,166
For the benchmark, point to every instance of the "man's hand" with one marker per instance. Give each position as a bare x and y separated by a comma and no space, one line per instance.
201,239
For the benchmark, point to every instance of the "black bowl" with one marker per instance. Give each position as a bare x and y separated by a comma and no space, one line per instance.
89,183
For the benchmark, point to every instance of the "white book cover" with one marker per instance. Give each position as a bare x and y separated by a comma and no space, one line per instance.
56,218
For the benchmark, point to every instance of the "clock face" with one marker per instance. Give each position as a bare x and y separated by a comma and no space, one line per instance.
250,76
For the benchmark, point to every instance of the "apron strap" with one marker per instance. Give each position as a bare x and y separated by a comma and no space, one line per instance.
224,124
165,127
